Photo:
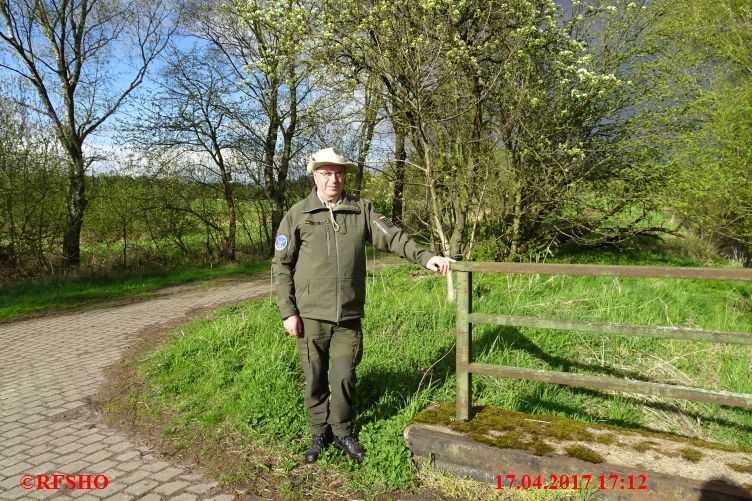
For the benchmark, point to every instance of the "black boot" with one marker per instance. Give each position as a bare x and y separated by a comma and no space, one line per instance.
318,444
351,446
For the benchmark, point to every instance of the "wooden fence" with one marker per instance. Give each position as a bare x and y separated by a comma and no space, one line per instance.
465,366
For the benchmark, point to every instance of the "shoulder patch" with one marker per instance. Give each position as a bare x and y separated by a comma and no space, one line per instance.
385,220
281,243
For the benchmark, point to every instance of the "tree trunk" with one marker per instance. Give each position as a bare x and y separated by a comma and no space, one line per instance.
516,219
364,144
230,240
276,218
434,209
263,229
76,205
371,108
125,245
399,176
270,180
455,240
288,134
464,195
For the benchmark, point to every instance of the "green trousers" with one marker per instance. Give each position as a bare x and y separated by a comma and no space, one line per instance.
329,353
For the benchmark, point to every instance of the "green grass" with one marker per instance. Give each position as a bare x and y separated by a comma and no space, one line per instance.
238,371
670,250
49,295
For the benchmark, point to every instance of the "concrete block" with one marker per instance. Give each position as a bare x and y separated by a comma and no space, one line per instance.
456,453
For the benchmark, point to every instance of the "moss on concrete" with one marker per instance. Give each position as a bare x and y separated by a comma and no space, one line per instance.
607,439
644,446
584,453
741,468
690,454
517,430
509,429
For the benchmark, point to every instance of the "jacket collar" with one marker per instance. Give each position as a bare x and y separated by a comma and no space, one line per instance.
312,203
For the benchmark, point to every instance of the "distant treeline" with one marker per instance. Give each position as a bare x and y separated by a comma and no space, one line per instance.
497,130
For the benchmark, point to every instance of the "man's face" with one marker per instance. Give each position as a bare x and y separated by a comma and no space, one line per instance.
330,181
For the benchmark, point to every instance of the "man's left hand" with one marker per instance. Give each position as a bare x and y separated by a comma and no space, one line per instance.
439,264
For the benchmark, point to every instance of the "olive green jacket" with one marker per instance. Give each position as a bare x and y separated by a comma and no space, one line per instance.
321,273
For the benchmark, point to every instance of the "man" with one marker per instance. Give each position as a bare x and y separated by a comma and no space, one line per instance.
320,265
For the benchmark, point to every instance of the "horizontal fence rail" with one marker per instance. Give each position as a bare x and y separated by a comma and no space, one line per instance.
688,333
465,367
605,270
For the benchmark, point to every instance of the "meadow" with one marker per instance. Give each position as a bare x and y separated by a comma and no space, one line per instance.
236,373
87,290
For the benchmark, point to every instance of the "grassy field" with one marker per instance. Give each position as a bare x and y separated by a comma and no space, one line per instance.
59,294
236,373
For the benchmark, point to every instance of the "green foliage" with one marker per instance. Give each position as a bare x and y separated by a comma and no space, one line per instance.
148,222
702,76
490,249
32,192
518,115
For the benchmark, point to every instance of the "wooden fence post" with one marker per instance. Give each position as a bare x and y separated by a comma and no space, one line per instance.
463,286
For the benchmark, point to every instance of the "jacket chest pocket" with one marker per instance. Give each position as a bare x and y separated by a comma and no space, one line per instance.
356,231
317,236
353,240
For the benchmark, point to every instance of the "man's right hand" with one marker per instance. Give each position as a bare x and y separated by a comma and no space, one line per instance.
293,325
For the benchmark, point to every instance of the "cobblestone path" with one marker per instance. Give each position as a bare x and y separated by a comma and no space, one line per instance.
51,367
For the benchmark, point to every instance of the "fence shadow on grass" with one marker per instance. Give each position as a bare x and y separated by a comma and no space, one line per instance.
378,382
513,338
517,340
382,391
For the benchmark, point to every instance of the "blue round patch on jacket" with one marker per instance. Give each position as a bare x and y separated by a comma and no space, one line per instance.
281,243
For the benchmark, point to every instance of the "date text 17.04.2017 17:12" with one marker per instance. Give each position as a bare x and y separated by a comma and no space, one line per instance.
575,482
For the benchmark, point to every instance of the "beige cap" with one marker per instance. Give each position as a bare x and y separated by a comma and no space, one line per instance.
330,156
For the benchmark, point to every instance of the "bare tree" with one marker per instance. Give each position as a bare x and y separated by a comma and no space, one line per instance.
268,47
84,58
195,113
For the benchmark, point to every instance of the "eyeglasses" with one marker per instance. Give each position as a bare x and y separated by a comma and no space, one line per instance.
326,174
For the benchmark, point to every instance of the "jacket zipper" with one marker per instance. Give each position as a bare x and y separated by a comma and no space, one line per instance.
328,253
336,250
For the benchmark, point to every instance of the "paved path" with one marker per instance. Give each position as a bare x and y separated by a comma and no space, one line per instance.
50,367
